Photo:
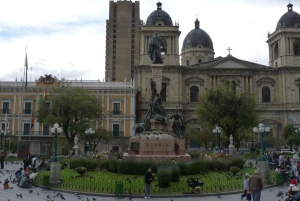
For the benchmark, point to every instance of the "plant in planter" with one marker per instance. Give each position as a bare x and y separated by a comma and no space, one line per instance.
81,170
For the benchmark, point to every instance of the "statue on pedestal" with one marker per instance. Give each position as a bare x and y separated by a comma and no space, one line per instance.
177,127
155,47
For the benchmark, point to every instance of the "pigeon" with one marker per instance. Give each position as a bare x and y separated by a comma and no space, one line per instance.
48,196
270,189
87,199
94,199
56,195
38,194
30,191
218,195
280,193
62,197
130,196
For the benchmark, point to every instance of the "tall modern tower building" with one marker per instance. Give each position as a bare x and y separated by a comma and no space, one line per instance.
122,40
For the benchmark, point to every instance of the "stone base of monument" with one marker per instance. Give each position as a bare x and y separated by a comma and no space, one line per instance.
231,149
264,170
55,168
158,147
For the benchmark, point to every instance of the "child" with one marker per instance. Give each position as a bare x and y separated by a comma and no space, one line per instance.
248,197
246,187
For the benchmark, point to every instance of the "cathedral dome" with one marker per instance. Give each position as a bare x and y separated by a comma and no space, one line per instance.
289,19
197,37
159,17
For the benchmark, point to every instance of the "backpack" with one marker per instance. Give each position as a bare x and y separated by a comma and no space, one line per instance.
24,182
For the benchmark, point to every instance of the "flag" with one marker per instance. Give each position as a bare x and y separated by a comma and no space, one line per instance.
32,120
26,69
44,97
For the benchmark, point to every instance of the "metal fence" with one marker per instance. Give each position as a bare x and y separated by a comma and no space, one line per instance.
136,186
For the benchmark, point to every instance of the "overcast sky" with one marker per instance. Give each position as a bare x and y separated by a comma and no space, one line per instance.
66,38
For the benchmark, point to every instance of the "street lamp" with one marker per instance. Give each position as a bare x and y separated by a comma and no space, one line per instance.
218,132
297,129
54,131
7,132
263,131
2,133
90,132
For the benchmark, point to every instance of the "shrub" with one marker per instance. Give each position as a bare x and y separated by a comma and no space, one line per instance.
164,175
89,164
197,166
104,164
175,173
234,170
240,163
193,154
128,167
113,166
217,165
48,167
65,163
81,170
184,168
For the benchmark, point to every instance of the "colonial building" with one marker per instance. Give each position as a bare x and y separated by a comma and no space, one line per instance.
276,87
118,101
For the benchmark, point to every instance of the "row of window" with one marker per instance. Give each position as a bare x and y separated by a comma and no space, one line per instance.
6,108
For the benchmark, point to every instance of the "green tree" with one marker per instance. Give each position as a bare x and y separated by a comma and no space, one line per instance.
290,135
233,112
72,108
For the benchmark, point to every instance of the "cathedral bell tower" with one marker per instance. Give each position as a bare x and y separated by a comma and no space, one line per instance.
284,42
161,22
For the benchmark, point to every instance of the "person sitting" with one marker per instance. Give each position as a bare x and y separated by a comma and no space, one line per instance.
33,175
41,165
278,170
292,188
18,173
288,162
27,172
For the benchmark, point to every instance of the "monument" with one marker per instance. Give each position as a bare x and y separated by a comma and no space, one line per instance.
155,138
76,147
231,146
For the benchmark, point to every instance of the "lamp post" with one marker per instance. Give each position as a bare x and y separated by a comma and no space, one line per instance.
7,132
2,133
263,131
297,129
55,130
90,132
218,132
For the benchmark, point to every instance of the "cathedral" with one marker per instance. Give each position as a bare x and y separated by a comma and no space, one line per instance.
276,87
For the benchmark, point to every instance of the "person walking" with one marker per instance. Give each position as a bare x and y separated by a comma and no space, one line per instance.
246,194
2,156
148,180
255,186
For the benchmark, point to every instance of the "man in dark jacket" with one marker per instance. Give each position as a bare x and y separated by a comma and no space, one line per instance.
148,180
255,186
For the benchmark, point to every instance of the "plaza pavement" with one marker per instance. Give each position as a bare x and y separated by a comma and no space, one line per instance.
41,195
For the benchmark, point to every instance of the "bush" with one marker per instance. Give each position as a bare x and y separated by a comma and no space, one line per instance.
193,154
184,168
65,163
234,170
48,167
240,163
197,166
81,170
175,173
164,175
113,166
133,167
89,164
217,165
104,164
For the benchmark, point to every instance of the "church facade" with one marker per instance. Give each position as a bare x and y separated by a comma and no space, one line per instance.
276,87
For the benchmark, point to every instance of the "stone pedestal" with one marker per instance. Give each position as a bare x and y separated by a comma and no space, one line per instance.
156,147
157,75
231,148
76,149
55,168
264,171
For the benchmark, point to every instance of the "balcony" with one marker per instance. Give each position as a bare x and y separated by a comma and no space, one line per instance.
27,111
4,111
116,112
117,133
37,133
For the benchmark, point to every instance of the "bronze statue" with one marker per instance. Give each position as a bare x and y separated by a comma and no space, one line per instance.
177,127
155,47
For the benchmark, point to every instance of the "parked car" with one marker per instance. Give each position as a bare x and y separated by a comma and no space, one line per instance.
287,151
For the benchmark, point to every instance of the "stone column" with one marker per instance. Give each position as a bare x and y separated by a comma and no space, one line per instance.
157,75
264,171
55,168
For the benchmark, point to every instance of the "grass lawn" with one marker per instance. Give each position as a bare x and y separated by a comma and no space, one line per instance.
105,182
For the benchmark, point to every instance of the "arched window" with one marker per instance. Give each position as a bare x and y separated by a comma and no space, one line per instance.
296,47
266,94
276,51
194,93
199,61
187,62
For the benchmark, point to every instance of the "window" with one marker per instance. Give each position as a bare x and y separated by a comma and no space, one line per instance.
46,130
194,93
3,126
115,149
163,92
276,51
27,108
199,61
187,62
116,130
116,108
296,47
26,129
5,106
266,95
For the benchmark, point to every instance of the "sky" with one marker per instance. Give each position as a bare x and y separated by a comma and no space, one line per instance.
66,38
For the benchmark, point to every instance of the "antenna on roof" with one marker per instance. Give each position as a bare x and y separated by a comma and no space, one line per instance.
30,73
